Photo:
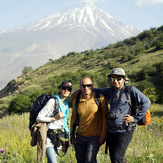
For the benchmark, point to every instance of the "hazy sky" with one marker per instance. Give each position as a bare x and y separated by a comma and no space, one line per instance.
143,14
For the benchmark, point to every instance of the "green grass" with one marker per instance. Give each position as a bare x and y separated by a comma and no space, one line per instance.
145,147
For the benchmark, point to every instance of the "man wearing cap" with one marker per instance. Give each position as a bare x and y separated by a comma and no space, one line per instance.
119,116
59,121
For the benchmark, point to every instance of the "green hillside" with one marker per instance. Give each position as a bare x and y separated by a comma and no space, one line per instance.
141,57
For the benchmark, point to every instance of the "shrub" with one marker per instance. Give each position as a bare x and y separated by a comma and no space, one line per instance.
71,54
159,46
151,94
138,49
145,34
130,41
20,104
145,73
144,85
26,69
160,28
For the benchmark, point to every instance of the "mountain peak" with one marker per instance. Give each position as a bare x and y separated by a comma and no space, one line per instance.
83,13
79,28
86,3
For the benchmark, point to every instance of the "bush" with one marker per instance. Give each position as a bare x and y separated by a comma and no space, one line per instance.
144,85
20,104
138,49
151,94
130,41
159,46
26,69
144,73
145,34
160,28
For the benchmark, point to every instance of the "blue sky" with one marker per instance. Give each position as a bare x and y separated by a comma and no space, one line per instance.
143,14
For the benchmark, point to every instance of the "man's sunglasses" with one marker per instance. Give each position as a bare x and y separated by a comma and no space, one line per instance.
86,85
118,79
67,88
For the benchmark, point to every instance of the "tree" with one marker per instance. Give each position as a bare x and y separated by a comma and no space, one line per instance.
27,69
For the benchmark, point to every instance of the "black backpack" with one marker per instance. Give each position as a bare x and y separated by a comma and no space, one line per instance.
38,105
97,100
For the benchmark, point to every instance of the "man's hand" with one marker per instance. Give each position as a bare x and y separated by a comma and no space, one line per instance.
64,149
128,118
73,141
101,140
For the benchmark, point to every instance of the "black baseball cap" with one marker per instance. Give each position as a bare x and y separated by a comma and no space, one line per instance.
65,84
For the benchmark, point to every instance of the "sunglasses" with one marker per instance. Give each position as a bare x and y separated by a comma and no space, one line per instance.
67,88
86,85
118,79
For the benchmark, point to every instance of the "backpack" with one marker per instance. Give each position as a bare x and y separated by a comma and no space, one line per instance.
135,109
38,104
97,100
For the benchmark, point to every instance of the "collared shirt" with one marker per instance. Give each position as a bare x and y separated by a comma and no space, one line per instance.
91,121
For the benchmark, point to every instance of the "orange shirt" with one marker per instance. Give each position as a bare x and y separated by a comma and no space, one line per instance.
91,122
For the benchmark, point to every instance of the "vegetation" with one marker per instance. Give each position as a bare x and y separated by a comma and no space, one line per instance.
141,57
146,145
27,69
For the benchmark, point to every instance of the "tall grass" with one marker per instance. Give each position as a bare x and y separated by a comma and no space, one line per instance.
145,147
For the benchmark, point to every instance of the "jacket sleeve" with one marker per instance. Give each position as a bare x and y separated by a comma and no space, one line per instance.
104,110
103,91
142,101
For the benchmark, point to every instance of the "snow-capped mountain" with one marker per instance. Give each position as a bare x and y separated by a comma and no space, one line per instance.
79,28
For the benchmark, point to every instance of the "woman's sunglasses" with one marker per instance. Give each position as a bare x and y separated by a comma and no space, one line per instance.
67,88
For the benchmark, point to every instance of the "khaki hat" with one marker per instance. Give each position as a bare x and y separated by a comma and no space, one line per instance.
117,71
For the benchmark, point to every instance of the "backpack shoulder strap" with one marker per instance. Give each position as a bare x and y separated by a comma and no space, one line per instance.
77,119
128,95
97,100
133,105
56,107
110,95
77,101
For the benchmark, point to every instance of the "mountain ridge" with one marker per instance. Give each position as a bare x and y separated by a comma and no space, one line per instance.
76,29
141,57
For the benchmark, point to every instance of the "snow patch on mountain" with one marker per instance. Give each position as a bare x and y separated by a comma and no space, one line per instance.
79,28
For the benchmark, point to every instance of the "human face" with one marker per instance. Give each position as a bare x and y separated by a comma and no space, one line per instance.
117,81
65,91
86,86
